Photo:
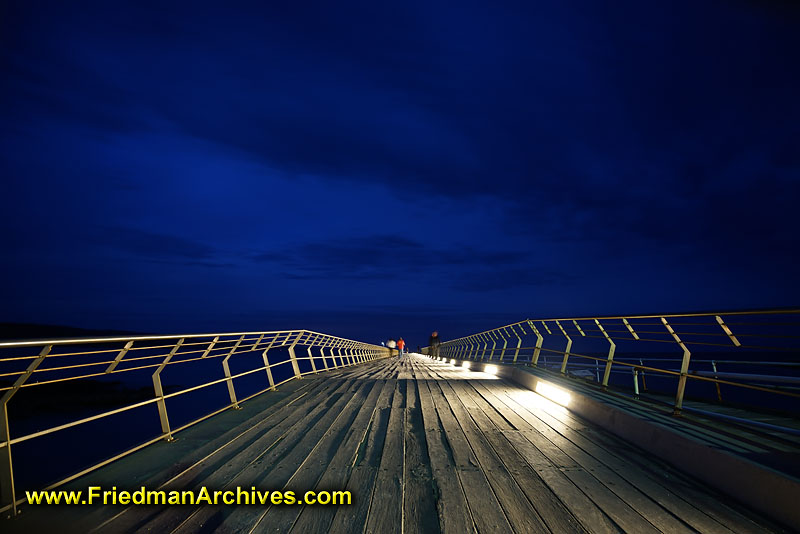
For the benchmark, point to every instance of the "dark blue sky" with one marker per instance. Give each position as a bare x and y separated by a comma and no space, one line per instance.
387,169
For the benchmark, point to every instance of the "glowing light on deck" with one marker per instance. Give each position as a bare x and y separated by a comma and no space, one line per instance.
534,401
553,393
490,369
452,362
465,365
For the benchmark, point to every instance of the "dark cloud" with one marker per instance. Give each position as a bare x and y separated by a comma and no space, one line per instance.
560,147
387,257
153,245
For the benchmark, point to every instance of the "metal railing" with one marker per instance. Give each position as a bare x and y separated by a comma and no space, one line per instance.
32,364
762,339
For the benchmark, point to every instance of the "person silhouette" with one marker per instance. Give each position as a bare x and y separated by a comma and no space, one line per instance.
433,344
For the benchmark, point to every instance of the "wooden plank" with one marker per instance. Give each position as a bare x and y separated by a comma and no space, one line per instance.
257,460
624,475
584,509
361,483
451,503
487,513
386,509
694,492
637,500
698,508
278,474
337,474
698,513
520,512
419,499
217,472
494,426
190,448
335,449
615,507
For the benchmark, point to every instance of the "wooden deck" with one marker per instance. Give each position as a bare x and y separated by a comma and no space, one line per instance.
425,447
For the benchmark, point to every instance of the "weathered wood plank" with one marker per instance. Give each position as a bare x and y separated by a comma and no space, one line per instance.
520,511
624,475
335,448
262,458
215,473
337,474
362,479
620,511
419,500
485,507
386,509
493,424
451,504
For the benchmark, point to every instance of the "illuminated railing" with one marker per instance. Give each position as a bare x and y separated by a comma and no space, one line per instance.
32,364
755,351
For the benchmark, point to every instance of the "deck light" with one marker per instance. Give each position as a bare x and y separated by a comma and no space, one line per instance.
557,395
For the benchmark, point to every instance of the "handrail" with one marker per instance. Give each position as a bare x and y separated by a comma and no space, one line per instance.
61,360
759,334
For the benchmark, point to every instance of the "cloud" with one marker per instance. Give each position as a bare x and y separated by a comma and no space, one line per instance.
391,257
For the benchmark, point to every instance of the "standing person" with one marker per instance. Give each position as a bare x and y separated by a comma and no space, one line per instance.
401,345
433,343
392,345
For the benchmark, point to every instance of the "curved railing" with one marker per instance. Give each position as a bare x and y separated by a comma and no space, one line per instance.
753,351
30,365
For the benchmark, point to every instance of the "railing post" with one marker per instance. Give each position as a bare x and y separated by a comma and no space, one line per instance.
267,366
644,382
611,349
719,392
120,355
161,403
635,383
292,356
229,380
211,346
485,345
493,335
8,493
566,351
684,368
322,347
255,345
519,342
727,331
537,350
339,350
630,328
311,356
505,344
578,327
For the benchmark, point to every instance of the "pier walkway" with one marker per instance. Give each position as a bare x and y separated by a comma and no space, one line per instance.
422,446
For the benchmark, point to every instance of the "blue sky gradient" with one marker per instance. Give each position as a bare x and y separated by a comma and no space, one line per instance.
390,169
